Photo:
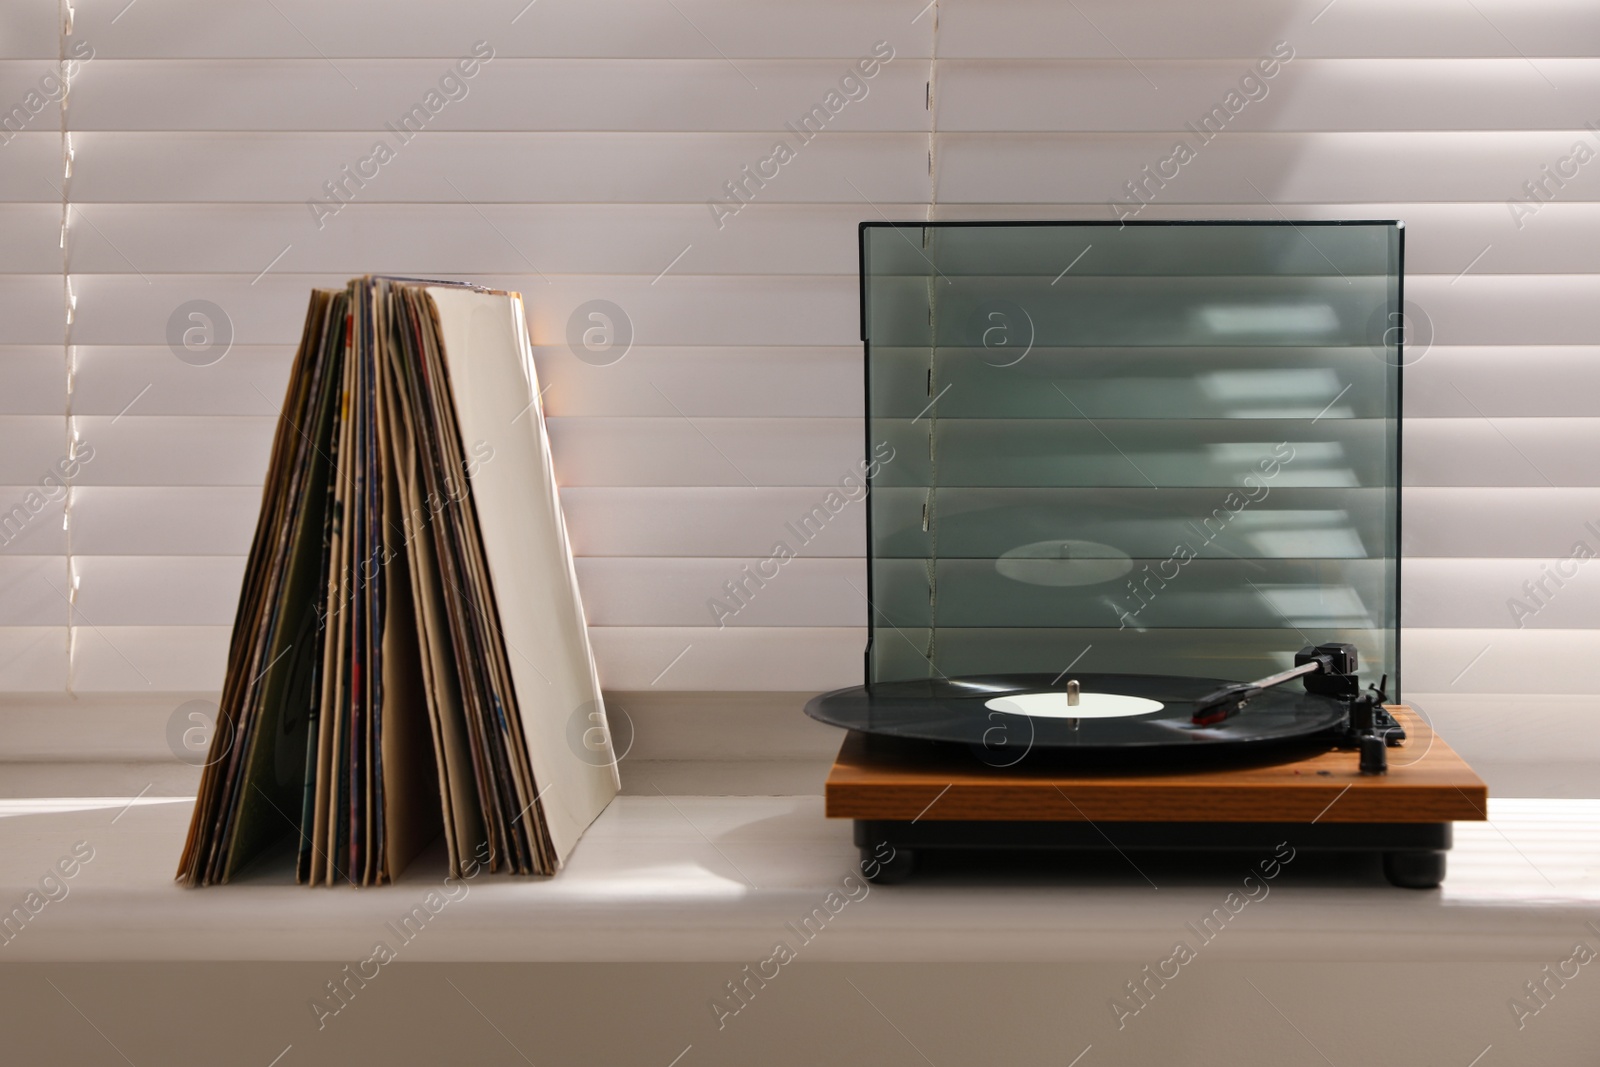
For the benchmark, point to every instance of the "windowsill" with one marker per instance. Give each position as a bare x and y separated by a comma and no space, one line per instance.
699,879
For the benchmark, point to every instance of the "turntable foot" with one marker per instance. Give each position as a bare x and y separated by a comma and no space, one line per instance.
1414,870
897,868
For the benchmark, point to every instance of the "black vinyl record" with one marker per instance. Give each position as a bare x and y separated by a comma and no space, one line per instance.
958,710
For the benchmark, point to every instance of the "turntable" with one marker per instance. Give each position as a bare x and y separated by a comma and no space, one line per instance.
1133,525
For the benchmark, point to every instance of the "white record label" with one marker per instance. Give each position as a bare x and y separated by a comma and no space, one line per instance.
1089,706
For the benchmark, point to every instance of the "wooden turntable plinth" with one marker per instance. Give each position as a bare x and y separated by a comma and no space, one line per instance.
916,796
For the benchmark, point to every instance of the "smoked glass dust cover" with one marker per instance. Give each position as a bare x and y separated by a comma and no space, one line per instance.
1148,449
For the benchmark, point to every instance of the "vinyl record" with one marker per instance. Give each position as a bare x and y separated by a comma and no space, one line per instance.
1146,712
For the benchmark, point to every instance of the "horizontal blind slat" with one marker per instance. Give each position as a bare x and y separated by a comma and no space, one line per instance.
446,168
1305,94
505,94
1286,169
682,308
1516,524
312,29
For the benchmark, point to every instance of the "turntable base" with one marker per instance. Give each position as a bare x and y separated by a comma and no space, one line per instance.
914,796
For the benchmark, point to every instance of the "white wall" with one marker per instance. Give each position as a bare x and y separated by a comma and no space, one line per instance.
578,167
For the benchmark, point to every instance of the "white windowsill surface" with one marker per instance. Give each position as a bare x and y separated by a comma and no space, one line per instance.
703,879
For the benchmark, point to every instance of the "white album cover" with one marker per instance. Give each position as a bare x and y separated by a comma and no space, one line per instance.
490,362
